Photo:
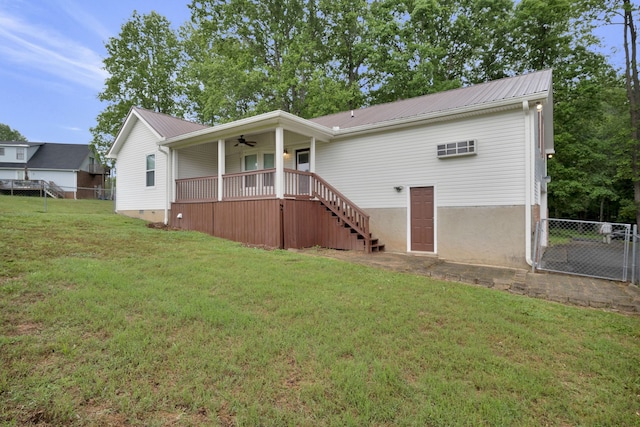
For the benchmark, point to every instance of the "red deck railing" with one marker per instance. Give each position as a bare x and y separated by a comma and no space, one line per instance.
249,185
261,184
201,189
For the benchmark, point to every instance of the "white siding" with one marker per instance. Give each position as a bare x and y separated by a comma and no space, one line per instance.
540,159
11,157
366,169
132,192
199,160
65,179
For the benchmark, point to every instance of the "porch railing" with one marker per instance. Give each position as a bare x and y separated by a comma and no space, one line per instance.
41,186
344,208
261,184
96,169
201,189
249,185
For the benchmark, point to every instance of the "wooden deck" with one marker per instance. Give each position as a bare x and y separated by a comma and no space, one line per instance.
312,213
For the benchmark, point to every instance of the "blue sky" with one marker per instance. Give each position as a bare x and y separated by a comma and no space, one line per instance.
51,55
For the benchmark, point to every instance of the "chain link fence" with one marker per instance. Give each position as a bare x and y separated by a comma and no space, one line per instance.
586,248
39,188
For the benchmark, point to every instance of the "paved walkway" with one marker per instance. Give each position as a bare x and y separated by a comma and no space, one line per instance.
566,289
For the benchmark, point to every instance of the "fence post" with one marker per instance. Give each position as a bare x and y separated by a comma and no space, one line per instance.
633,254
535,247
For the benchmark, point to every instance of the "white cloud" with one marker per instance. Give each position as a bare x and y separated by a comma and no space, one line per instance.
85,19
33,47
72,128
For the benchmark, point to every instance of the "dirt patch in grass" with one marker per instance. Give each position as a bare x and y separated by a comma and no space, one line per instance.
27,328
386,260
225,415
161,226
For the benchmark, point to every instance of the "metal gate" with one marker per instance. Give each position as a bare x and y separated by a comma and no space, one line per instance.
585,248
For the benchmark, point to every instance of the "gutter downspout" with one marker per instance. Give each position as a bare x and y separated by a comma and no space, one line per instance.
168,175
528,170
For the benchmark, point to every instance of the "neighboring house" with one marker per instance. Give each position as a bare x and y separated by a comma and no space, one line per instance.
64,170
460,174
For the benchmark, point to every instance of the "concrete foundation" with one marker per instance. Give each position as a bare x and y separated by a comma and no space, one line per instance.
147,215
491,235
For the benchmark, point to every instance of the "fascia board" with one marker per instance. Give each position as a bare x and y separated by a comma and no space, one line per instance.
259,123
126,129
452,114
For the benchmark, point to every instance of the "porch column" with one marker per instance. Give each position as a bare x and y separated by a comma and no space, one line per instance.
221,168
279,163
312,155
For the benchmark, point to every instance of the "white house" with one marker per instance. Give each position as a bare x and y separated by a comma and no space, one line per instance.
460,174
65,170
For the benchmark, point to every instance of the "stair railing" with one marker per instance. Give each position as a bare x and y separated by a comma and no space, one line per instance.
345,209
53,190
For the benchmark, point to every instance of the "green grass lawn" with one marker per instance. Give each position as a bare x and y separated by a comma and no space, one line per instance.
104,321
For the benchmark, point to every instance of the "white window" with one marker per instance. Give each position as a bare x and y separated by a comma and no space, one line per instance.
462,148
269,162
19,153
151,170
1,151
250,164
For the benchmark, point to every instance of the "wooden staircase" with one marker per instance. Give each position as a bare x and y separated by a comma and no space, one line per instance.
347,214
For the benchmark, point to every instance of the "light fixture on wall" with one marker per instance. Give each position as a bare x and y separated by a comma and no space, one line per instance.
538,106
286,152
398,188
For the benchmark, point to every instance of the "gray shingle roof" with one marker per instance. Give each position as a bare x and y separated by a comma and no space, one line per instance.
59,156
498,90
167,126
54,156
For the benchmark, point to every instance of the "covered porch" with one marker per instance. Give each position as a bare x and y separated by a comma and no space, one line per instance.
311,212
255,182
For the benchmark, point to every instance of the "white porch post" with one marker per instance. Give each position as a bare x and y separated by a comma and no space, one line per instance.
280,162
221,168
312,155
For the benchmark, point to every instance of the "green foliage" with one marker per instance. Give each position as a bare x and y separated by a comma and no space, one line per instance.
248,57
238,58
142,63
104,321
8,134
587,168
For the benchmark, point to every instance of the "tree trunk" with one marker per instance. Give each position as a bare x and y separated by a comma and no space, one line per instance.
633,95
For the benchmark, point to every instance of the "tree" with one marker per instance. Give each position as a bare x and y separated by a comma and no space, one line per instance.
8,134
250,56
428,46
142,62
632,84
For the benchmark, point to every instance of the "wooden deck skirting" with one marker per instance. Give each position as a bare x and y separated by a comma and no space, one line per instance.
249,212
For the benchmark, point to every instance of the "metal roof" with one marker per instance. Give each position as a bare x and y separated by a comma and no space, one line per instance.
167,126
532,84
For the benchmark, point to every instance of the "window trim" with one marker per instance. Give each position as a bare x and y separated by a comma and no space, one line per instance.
21,153
148,170
2,151
467,147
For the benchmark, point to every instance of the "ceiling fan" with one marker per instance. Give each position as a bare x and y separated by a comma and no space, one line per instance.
242,141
